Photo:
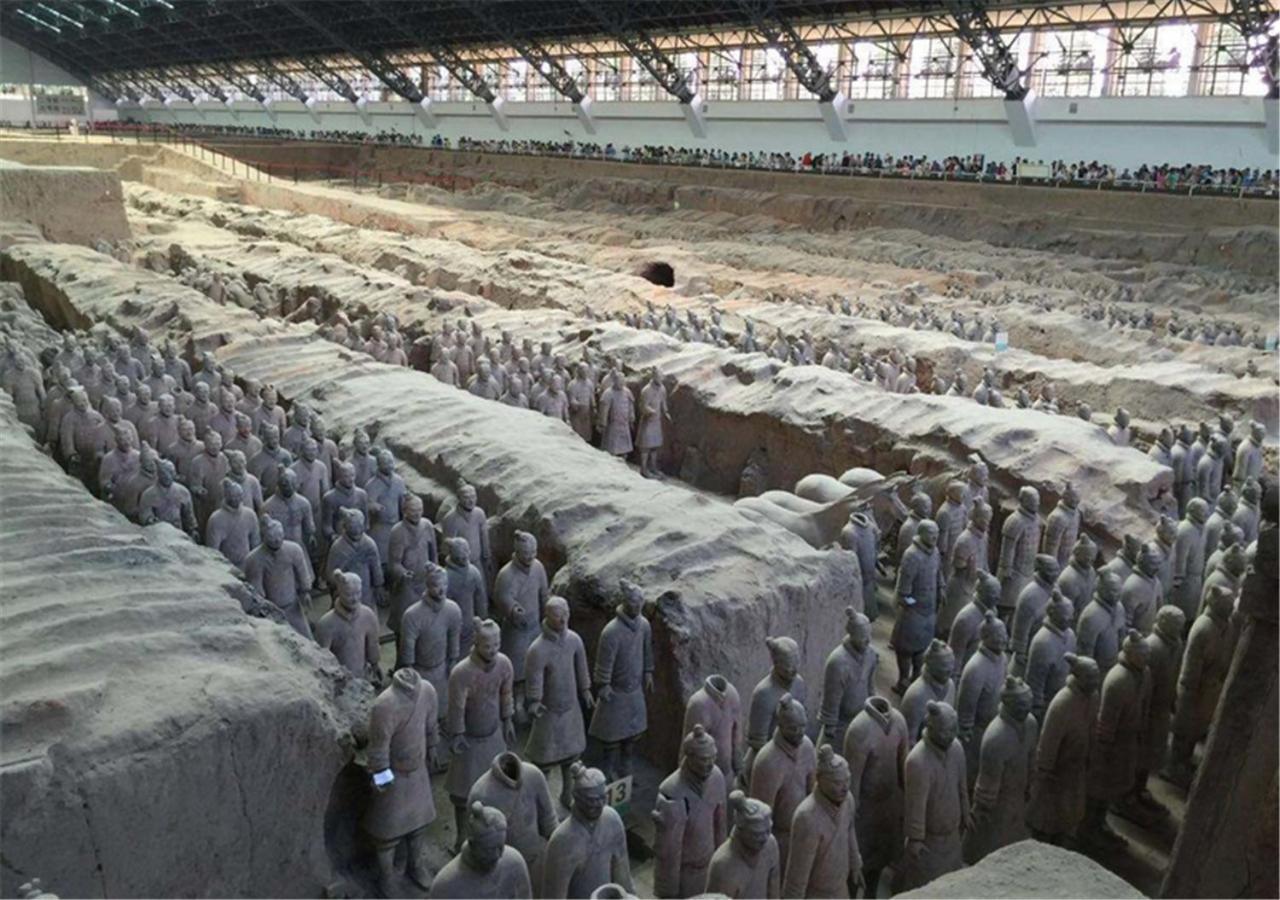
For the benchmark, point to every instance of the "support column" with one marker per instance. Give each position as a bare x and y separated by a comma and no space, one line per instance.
582,109
1020,114
499,117
425,111
1271,119
835,112
695,115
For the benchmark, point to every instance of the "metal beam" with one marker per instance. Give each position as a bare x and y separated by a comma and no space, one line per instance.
799,58
547,66
616,18
376,62
990,48
329,78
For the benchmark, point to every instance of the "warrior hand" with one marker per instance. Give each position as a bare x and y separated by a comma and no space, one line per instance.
587,700
517,611
856,882
458,745
537,709
509,732
648,683
916,849
605,693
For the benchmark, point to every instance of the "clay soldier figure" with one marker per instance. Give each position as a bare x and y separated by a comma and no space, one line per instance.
825,860
224,420
1209,470
479,720
847,678
920,585
589,848
484,384
268,413
937,683
553,402
292,511
175,366
312,472
1030,611
1120,433
129,491
717,708
344,496
1047,667
1141,595
328,450
1063,526
266,464
386,491
937,802
1164,661
244,439
1204,672
978,477
1248,456
519,791
26,386
1124,562
1004,775
1228,576
622,675
784,678
201,409
876,747
411,549
747,865
185,449
233,528
1189,559
167,501
297,432
1166,534
364,462
117,466
617,416
56,404
1019,539
582,402
1118,748
445,370
1248,514
142,411
921,507
466,587
862,537
1101,626
278,569
207,471
651,432
690,817
518,597
355,552
968,560
951,518
1079,578
1058,790
1183,470
350,629
557,686
485,866
466,520
965,637
403,743
785,770
1223,511
978,697
80,437
428,637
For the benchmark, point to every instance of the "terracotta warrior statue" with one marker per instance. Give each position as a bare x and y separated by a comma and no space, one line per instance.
428,635
1205,664
1058,782
848,678
717,707
386,492
268,462
978,697
617,416
1122,716
1047,667
81,438
920,508
519,791
350,629
951,518
691,819
485,867
244,439
784,771
937,683
1030,611
582,402
965,637
589,848
1189,553
747,865
862,537
825,860
205,475
344,495
1248,456
355,552
651,431
362,458
479,724
1019,541
167,501
278,569
466,587
784,678
117,466
556,687
519,593
1078,578
1164,662
466,520
920,586
233,528
1141,594
1006,761
292,511
937,802
622,675
876,746
403,743
968,561
1062,527
1101,626
411,549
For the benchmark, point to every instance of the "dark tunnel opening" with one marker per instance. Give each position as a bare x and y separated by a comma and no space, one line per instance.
658,273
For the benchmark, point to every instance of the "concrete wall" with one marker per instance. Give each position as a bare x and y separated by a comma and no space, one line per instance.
1224,131
18,65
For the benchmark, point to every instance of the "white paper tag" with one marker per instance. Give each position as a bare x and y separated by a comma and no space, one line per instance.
1002,340
385,777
